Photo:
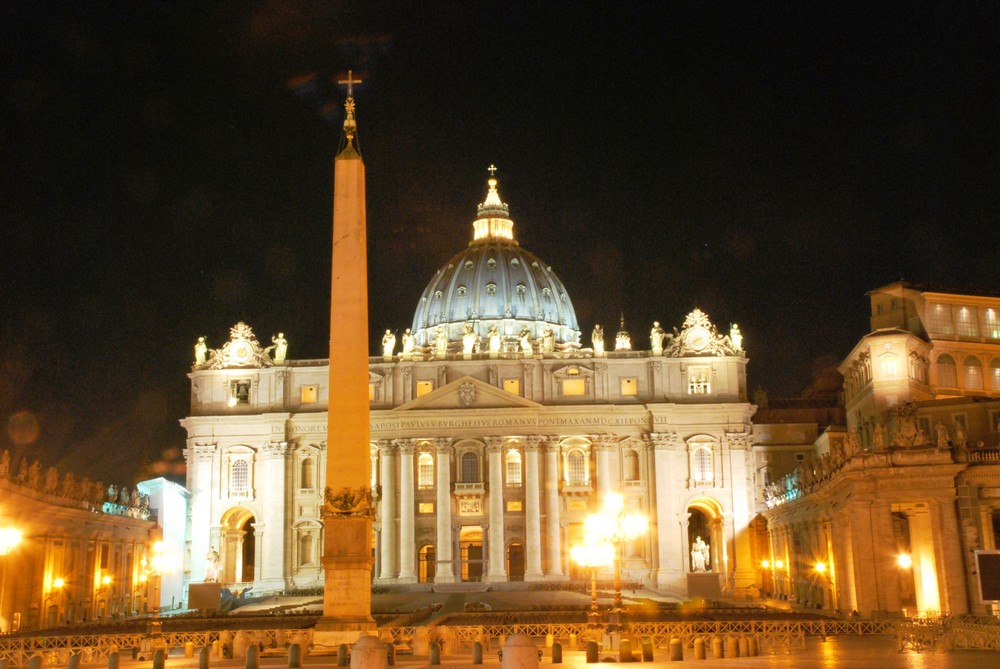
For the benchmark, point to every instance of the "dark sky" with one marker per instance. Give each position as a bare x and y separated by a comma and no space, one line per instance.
167,172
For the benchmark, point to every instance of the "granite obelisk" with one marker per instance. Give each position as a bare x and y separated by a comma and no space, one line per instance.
347,508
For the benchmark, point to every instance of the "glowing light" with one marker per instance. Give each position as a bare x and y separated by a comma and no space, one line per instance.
820,567
10,537
58,583
765,564
106,580
779,564
904,560
600,554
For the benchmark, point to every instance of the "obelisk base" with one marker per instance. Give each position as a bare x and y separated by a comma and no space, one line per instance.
347,585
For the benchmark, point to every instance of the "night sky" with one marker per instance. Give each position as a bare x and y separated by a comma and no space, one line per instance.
168,171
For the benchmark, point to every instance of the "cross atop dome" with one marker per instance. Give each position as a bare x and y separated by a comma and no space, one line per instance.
350,125
493,221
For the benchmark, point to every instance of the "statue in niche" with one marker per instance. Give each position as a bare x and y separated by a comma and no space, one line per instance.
656,336
213,567
736,337
525,340
597,338
4,463
469,339
494,336
200,351
280,347
942,435
388,343
548,341
408,342
699,556
441,341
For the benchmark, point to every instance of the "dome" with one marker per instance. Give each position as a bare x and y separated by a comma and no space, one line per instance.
494,283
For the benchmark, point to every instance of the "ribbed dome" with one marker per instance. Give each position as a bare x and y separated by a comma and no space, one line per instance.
494,282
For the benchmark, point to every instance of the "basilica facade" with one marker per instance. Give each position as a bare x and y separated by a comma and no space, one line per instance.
494,433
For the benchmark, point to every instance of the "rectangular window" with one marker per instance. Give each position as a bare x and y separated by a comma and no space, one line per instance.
966,322
309,394
104,556
574,387
424,387
939,319
515,505
699,380
512,386
991,324
425,507
630,387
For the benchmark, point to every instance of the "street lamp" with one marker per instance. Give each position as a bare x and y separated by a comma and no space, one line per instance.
161,561
613,524
10,537
593,555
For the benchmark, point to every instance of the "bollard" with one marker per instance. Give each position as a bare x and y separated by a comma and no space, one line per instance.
676,650
732,646
435,653
519,652
477,653
647,651
744,646
253,658
74,661
3,664
753,646
390,653
625,651
342,655
112,661
302,639
203,656
189,649
158,658
592,654
699,649
35,662
717,647
369,652
572,642
294,656
557,653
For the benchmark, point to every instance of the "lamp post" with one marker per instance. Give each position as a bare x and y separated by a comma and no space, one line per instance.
10,537
593,555
616,526
161,560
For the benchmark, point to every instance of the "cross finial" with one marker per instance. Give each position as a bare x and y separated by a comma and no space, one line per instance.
349,82
492,169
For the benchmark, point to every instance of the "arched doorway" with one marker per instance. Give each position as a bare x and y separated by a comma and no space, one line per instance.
515,562
427,559
470,543
706,551
238,546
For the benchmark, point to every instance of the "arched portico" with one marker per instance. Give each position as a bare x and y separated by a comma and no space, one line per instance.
238,545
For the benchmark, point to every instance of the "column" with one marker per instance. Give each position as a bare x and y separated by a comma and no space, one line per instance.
497,563
553,533
947,537
200,461
742,559
387,511
604,444
407,542
671,549
445,570
532,511
269,573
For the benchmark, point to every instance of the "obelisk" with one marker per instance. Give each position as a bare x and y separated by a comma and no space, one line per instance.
347,507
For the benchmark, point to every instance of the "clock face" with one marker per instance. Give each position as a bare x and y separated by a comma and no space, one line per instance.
242,351
697,339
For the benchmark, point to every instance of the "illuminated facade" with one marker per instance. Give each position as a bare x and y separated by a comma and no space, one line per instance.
494,432
80,550
895,508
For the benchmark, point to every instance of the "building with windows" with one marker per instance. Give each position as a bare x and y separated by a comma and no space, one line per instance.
494,433
892,515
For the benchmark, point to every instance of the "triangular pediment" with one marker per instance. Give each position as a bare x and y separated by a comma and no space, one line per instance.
468,393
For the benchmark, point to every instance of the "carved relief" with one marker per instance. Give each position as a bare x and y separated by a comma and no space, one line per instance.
349,502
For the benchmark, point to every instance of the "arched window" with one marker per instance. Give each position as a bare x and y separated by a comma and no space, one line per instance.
972,373
305,549
307,474
631,465
239,478
947,374
425,471
470,468
701,465
576,468
513,462
995,374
